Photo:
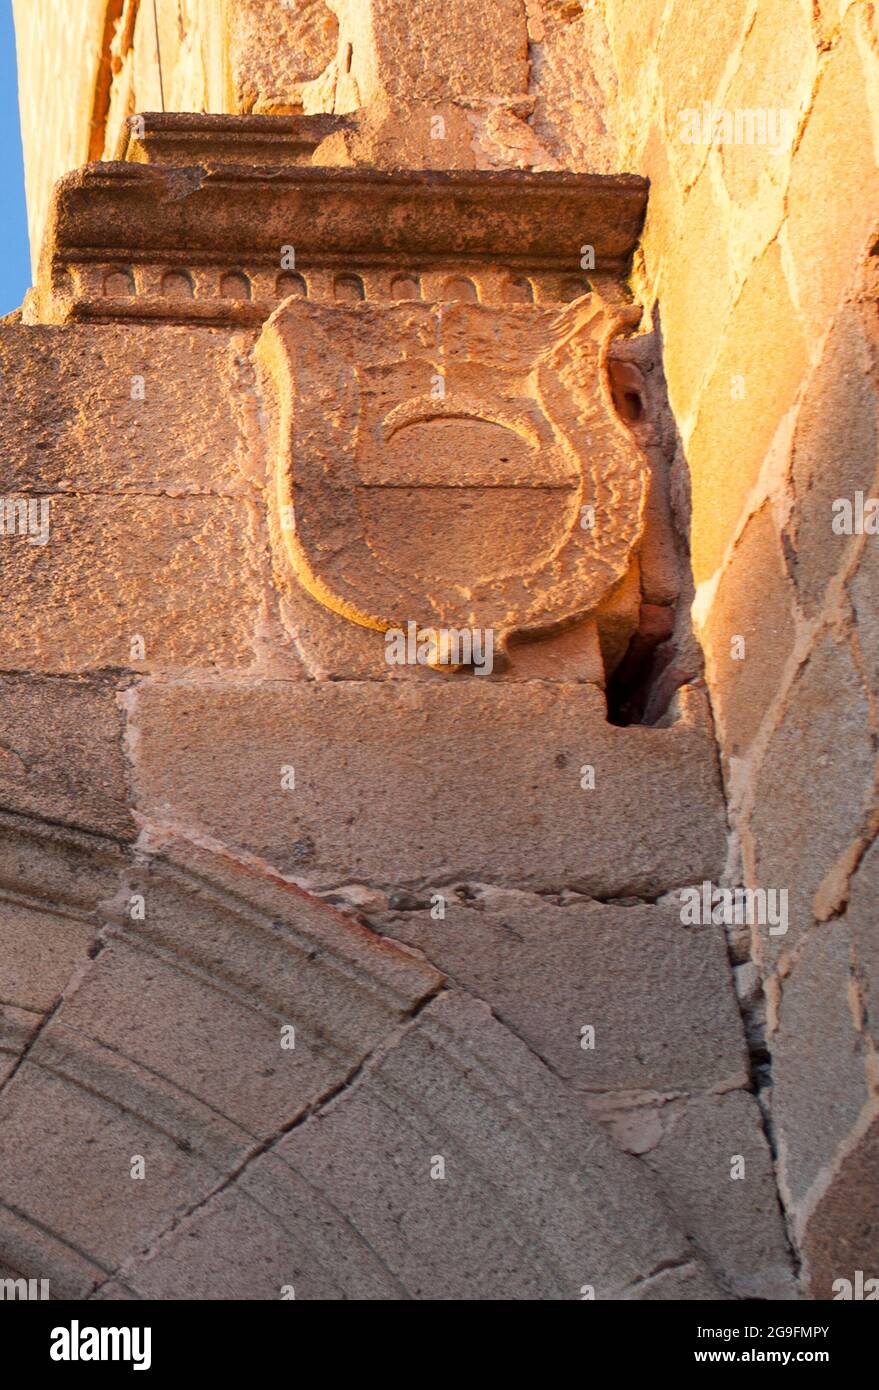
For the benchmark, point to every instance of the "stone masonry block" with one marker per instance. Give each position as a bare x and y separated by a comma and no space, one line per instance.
180,574
658,994
434,783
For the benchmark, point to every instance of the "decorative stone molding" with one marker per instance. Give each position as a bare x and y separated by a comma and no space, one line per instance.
186,138
203,241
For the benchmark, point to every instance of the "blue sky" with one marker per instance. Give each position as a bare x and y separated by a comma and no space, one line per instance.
15,271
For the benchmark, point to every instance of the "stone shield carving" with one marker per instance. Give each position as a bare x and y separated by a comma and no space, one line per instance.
452,464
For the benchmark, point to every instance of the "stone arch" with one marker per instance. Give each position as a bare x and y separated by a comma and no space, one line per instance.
162,1041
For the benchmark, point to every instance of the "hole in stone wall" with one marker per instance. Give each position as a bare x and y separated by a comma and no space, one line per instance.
662,655
627,390
629,688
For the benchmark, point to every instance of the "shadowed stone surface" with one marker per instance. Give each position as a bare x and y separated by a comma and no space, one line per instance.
658,994
843,1233
57,869
76,776
38,951
863,922
735,1222
166,1048
535,1201
820,1085
446,781
826,713
659,998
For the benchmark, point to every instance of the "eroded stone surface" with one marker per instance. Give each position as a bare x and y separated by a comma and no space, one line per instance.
207,967
821,760
750,633
57,868
103,410
39,951
81,1144
820,1086
428,50
275,50
139,583
832,134
17,1028
761,363
843,1231
834,454
862,921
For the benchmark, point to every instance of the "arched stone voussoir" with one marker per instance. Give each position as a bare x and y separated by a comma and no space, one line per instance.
54,884
207,1008
453,1166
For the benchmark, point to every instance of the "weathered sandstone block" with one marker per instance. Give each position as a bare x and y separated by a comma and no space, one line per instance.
753,603
734,1220
819,1086
658,994
105,410
77,776
138,583
835,452
446,780
762,361
820,760
843,1232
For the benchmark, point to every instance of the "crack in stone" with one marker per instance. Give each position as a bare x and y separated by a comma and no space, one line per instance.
664,1266
308,1112
103,936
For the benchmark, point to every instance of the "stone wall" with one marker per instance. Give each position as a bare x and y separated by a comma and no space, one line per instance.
757,122
759,263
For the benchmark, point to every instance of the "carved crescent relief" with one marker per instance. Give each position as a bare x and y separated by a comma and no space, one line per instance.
452,464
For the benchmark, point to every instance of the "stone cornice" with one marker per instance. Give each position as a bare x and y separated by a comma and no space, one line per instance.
203,242
192,138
